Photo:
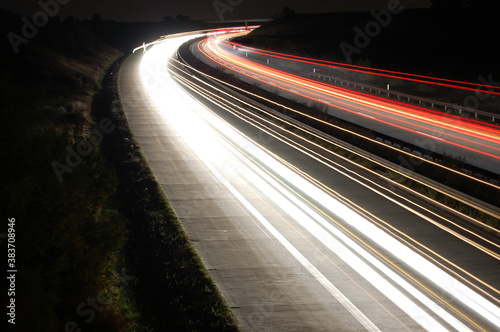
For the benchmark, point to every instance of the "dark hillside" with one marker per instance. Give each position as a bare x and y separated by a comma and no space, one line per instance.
67,231
97,246
126,36
459,44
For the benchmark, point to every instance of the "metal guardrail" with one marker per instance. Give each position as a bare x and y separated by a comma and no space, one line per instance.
422,101
446,190
460,109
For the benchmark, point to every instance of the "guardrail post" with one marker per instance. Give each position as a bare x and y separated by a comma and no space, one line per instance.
443,106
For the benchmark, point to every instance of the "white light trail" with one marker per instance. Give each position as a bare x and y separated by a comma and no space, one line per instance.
202,132
177,108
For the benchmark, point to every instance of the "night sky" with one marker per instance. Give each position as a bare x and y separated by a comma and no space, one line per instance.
155,10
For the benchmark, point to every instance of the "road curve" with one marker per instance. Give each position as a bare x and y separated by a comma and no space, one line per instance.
478,145
281,260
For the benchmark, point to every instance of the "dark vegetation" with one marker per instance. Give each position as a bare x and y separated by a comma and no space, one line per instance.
456,43
172,288
100,250
127,36
69,234
341,128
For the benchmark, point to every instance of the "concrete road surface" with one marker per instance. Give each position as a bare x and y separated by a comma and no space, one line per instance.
274,273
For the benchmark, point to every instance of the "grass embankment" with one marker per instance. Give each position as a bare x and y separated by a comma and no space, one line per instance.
364,139
69,233
172,288
97,246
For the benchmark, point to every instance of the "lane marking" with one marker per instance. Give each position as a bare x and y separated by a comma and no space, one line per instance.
334,291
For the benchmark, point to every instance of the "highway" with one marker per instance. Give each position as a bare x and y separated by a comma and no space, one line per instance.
296,237
477,143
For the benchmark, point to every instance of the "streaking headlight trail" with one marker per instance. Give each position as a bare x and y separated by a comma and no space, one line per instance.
217,145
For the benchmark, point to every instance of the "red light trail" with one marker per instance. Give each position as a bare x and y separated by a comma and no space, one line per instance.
449,129
491,89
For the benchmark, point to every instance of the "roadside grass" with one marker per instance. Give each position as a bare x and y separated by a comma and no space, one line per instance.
100,249
172,289
70,237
